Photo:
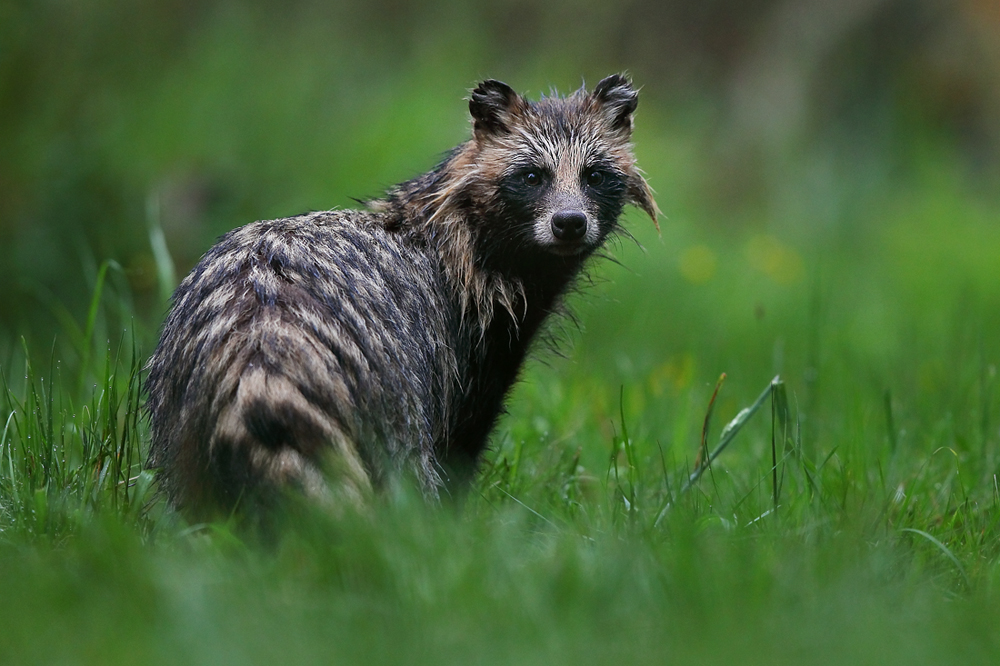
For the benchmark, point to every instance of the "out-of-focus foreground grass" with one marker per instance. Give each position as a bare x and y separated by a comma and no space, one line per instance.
829,183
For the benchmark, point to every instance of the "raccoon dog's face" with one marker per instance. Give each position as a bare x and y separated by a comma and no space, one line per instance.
556,174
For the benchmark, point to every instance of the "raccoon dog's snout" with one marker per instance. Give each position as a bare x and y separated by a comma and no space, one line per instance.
569,225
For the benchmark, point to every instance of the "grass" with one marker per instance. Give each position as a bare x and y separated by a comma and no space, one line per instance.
854,517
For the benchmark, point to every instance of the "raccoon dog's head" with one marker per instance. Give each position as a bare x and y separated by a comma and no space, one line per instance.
554,175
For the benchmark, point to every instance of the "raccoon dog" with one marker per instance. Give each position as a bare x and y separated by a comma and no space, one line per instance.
334,352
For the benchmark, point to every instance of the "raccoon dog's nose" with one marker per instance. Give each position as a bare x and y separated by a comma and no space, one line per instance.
569,225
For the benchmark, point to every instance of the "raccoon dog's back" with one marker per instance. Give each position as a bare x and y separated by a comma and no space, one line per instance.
301,338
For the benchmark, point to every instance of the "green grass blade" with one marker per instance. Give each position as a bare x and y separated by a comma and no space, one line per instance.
944,549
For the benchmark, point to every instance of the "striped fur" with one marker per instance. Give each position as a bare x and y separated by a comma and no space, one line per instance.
333,352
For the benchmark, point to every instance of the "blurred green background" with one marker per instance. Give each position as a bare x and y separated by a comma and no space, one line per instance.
828,171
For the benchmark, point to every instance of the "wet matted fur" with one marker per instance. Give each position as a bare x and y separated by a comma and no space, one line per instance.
333,352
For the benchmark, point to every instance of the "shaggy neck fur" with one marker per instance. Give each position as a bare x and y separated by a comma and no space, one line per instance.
445,208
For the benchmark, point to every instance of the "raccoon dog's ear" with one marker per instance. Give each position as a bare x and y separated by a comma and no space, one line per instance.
493,106
618,99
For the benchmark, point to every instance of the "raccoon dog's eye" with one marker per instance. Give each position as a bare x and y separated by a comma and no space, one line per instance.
595,177
533,178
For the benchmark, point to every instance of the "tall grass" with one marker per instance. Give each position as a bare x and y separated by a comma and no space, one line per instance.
633,507
73,441
66,458
730,541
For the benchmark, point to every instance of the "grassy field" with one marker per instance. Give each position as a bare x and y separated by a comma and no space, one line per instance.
853,518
